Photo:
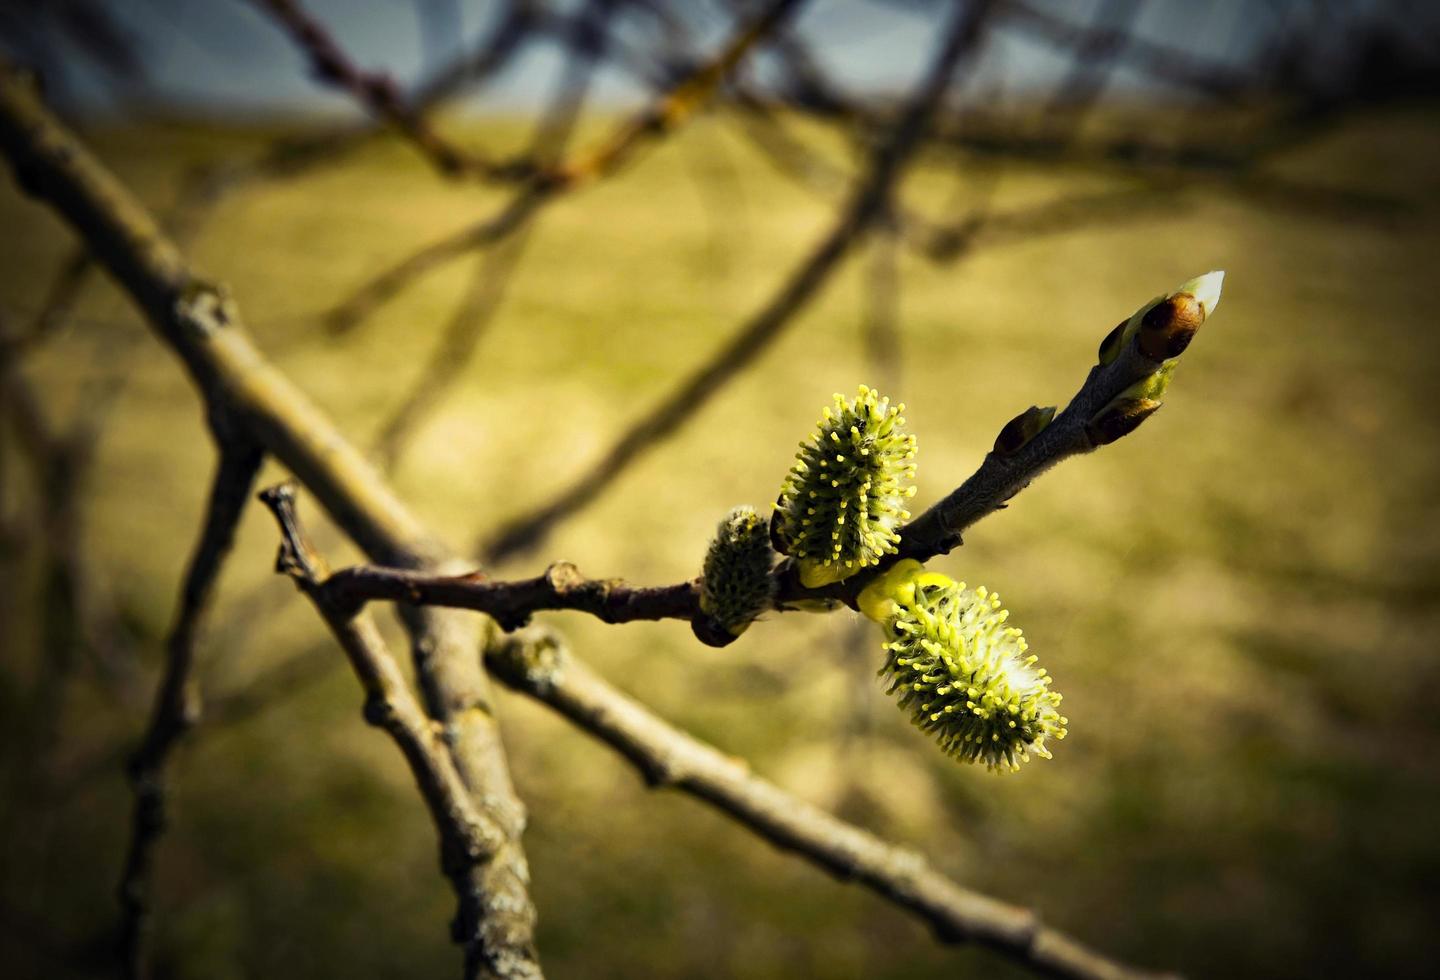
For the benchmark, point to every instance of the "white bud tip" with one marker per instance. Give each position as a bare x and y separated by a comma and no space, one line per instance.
1206,289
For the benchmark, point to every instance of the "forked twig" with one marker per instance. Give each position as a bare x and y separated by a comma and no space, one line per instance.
468,838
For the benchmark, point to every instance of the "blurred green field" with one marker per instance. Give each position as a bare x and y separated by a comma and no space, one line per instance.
1240,602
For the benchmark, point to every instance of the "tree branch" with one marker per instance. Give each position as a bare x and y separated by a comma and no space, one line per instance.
1083,426
468,837
672,108
866,203
561,586
379,94
538,665
197,320
177,700
1002,474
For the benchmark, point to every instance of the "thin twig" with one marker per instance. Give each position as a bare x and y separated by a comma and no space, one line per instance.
468,838
676,105
528,530
515,215
511,603
177,700
538,665
1002,475
378,92
521,23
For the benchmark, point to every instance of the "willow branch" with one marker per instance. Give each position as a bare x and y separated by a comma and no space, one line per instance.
203,327
177,700
467,836
540,667
1003,473
512,603
865,205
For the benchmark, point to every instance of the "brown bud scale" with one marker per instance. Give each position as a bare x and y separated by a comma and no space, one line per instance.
1119,419
1167,329
1022,428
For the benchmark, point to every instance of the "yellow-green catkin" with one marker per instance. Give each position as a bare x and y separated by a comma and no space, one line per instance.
843,501
736,585
960,670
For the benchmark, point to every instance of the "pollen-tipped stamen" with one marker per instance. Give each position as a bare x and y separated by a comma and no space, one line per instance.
841,505
961,672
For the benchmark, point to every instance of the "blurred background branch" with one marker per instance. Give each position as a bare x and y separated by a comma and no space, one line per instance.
1053,159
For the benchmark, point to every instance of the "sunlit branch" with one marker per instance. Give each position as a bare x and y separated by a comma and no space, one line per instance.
538,665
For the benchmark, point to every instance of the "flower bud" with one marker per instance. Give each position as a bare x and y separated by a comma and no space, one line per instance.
1169,326
1166,325
736,585
1118,419
1022,428
842,503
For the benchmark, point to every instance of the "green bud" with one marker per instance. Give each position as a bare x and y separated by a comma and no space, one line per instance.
960,671
842,503
736,585
1152,386
1131,407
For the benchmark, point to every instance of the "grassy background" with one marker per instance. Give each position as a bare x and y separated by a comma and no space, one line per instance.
1239,602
